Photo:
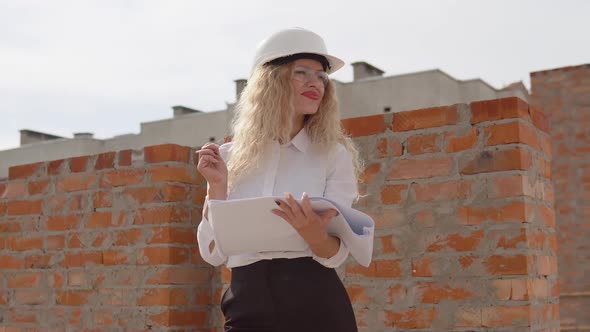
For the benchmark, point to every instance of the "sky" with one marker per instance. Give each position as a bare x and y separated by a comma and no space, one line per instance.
105,66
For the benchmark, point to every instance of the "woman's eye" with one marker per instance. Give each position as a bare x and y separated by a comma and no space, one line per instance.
300,72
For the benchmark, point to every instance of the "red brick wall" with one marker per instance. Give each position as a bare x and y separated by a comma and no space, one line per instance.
564,96
104,243
465,237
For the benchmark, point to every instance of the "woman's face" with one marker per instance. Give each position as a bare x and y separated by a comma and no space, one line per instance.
309,81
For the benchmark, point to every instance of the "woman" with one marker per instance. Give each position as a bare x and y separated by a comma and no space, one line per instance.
287,140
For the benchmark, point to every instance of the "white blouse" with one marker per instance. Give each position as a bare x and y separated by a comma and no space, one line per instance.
296,167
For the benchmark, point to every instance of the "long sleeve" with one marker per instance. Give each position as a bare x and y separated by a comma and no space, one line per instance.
205,238
336,260
341,187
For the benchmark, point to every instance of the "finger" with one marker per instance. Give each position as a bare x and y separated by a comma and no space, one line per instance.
295,208
208,152
327,216
211,147
306,206
285,208
207,161
281,214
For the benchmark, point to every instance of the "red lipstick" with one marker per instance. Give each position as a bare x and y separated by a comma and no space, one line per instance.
311,95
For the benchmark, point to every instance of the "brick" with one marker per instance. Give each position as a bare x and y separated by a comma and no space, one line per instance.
433,292
357,294
121,177
546,265
508,265
419,144
3,209
379,268
546,145
56,203
31,297
382,147
166,152
540,120
11,262
19,224
511,212
498,109
498,161
25,207
115,257
506,316
72,297
180,275
468,317
62,223
163,297
173,235
103,317
457,241
546,215
198,195
127,237
79,164
38,187
100,220
102,199
517,185
77,182
393,194
25,171
55,167
413,318
511,133
364,126
443,191
396,293
35,261
161,214
425,118
370,172
457,143
173,174
22,315
13,189
24,243
163,255
421,168
422,267
125,158
152,194
180,317
24,280
77,202
55,242
510,239
81,258
105,161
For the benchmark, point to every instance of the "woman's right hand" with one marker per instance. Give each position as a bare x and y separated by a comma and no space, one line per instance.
212,166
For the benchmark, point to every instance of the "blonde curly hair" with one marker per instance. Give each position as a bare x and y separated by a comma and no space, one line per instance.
264,114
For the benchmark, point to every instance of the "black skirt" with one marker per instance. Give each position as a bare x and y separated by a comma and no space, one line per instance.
287,295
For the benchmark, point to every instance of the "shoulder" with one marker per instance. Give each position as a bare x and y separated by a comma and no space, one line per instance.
339,151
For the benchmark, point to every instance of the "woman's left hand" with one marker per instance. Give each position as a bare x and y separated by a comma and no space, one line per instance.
310,225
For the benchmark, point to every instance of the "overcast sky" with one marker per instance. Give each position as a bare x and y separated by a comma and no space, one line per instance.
105,66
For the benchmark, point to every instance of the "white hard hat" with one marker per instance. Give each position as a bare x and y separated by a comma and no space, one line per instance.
294,41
